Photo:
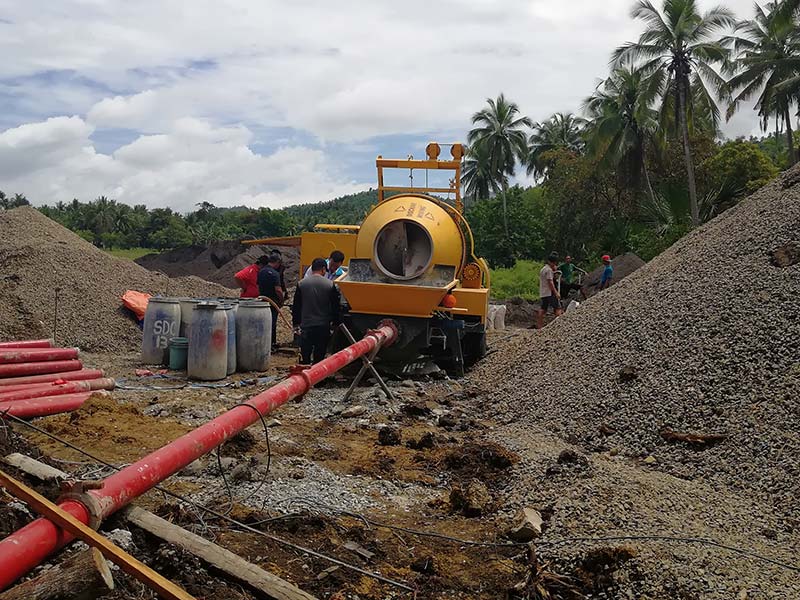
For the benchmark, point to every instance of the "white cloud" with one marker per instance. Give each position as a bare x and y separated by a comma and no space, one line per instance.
55,160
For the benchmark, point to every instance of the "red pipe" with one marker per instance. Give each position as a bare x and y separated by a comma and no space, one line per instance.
56,389
38,368
23,550
22,355
80,375
42,407
28,344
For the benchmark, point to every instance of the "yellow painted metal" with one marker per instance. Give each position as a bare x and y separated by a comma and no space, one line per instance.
475,301
320,244
334,227
392,298
448,243
292,240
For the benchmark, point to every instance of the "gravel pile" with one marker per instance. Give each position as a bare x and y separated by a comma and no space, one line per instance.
38,255
217,262
704,339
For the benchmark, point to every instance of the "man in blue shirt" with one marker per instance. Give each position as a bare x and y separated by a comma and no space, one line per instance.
608,273
334,266
269,286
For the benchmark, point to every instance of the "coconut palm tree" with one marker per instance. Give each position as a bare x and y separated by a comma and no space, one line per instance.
677,41
622,121
767,57
500,131
562,130
477,176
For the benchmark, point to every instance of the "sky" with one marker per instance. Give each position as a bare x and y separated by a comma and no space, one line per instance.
266,103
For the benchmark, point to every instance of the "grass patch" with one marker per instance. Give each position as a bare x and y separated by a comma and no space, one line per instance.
130,253
521,280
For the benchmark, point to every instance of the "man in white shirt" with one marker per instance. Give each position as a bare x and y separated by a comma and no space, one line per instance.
548,293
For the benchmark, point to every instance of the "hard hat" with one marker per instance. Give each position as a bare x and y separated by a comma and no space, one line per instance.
606,257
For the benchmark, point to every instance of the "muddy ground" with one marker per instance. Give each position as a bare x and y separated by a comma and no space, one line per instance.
397,488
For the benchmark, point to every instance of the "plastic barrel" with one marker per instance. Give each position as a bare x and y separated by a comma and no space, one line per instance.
162,322
178,353
187,310
208,343
230,312
253,335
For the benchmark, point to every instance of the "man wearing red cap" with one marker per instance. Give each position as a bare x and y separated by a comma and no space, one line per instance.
608,273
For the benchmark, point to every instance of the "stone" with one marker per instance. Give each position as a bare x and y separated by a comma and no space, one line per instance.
528,525
473,500
650,460
389,436
353,411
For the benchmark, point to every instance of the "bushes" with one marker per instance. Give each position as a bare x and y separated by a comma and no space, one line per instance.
521,280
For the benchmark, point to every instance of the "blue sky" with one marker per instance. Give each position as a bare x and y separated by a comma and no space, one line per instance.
266,103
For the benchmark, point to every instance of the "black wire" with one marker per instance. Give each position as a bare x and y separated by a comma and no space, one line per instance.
218,514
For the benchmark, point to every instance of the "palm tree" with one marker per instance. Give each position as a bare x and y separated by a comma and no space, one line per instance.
622,121
500,130
766,49
477,176
562,130
678,44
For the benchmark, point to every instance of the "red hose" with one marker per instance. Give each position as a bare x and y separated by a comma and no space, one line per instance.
42,407
55,389
38,368
28,344
23,550
23,355
80,375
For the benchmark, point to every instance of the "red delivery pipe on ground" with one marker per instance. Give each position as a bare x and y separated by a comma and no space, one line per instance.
23,355
42,407
28,344
23,550
56,389
80,375
95,383
38,368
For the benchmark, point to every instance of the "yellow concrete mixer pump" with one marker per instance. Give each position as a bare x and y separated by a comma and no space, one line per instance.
412,259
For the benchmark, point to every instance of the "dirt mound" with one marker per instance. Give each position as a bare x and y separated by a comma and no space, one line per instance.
38,255
708,336
217,262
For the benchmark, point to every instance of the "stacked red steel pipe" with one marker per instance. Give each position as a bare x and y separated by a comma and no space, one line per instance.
37,379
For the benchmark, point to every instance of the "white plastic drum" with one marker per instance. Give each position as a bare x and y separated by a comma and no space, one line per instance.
162,321
253,335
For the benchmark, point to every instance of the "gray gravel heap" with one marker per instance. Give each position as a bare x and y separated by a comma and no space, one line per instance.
711,332
38,255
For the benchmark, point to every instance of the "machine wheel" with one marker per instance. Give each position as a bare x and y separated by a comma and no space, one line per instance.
474,346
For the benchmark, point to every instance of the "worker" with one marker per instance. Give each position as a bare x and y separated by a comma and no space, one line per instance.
567,270
282,272
333,266
315,311
608,273
269,286
548,293
247,278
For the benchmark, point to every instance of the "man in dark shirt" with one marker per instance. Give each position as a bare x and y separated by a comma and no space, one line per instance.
315,310
269,286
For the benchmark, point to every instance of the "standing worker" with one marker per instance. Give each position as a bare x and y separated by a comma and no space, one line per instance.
547,291
269,286
333,266
568,284
608,273
247,278
315,311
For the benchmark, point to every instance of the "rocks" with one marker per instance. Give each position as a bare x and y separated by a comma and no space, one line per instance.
571,457
785,255
389,436
528,525
425,442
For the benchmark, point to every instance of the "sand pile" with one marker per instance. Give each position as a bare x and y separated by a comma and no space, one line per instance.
217,262
38,255
704,339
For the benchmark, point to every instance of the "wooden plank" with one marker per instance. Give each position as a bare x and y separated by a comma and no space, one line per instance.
125,561
224,560
33,467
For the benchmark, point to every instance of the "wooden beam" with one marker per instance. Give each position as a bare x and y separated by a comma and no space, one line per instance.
66,521
226,561
83,576
33,467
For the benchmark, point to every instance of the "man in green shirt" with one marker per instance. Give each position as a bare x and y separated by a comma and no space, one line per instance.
567,275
